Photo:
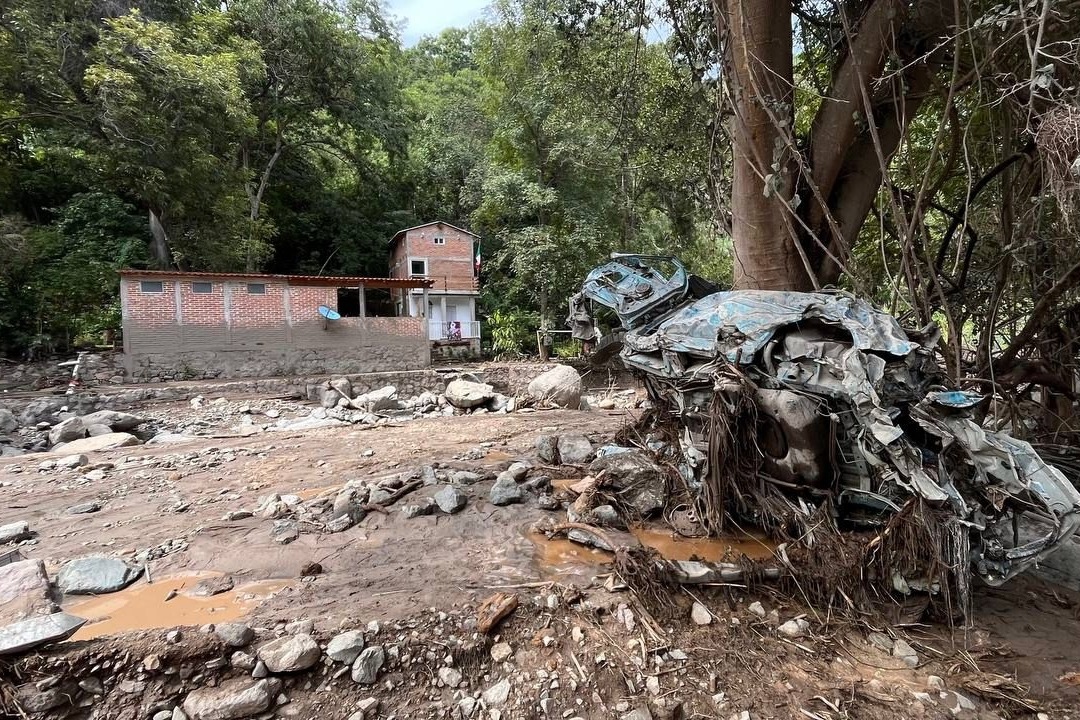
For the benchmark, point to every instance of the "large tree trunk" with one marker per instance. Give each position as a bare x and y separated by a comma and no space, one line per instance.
759,61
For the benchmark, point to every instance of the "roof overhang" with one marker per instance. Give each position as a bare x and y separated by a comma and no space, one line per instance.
296,280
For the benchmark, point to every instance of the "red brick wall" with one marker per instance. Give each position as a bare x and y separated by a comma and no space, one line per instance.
151,309
202,309
451,265
257,310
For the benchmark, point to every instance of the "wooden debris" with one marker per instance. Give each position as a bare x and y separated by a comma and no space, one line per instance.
494,610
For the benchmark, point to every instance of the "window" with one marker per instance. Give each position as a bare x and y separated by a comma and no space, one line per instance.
202,288
151,286
440,240
256,288
348,302
418,267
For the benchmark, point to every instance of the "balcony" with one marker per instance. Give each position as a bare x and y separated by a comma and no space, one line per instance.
453,330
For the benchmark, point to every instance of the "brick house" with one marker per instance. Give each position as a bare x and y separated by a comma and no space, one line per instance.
201,325
446,255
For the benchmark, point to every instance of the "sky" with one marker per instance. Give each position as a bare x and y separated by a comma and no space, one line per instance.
429,17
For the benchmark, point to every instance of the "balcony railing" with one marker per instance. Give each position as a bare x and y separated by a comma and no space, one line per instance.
453,330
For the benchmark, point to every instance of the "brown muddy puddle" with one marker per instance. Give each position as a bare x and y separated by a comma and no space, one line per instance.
144,606
561,554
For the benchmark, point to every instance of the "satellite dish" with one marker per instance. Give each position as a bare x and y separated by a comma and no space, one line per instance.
329,313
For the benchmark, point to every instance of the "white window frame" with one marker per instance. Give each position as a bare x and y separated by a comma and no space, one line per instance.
439,239
418,259
144,291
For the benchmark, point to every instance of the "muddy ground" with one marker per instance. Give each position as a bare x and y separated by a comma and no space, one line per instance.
579,645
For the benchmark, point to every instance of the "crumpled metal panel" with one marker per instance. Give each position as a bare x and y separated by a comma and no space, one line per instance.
736,325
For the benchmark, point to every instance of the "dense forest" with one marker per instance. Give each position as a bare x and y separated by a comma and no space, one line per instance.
922,153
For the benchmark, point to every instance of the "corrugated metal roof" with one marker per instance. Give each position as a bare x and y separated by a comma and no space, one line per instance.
319,280
399,233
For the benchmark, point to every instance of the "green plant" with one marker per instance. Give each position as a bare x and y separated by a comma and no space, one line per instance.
511,331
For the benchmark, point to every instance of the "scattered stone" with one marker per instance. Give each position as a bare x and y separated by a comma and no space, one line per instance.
756,608
33,699
291,653
14,532
384,398
641,713
114,420
260,670
152,663
466,394
426,506
232,699
101,442
365,669
497,694
902,650
547,449
638,480
606,516
36,631
8,423
95,431
236,635
558,387
84,508
367,709
66,431
700,614
92,685
242,661
548,502
880,641
213,586
506,491
451,500
450,677
465,477
96,575
500,652
345,647
69,462
795,628
311,569
24,591
934,682
575,449
284,532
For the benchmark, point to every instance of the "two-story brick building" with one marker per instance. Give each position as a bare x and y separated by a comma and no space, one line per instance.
445,255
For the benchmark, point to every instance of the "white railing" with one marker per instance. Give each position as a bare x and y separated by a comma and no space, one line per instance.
453,330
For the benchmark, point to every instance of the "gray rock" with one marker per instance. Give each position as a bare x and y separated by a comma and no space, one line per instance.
700,614
349,503
24,591
259,671
342,385
340,524
638,480
33,699
95,431
575,449
345,647
84,508
606,516
236,635
794,628
425,506
465,477
36,631
69,462
101,442
14,532
66,431
466,394
519,470
547,449
291,653
558,387
92,685
117,421
506,491
366,667
96,575
641,713
384,398
242,661
8,423
451,500
498,402
501,652
588,539
450,677
284,532
232,699
547,501
379,495
497,694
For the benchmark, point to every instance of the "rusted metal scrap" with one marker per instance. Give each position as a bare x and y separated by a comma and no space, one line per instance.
792,407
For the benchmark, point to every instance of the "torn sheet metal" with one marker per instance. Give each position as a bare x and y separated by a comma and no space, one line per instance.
847,403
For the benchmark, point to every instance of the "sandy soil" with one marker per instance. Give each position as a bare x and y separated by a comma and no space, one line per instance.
1014,658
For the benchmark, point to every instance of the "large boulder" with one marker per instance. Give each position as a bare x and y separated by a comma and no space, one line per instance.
467,394
382,399
638,480
575,449
24,591
98,442
66,431
14,532
96,575
8,423
291,653
232,699
30,633
558,387
118,421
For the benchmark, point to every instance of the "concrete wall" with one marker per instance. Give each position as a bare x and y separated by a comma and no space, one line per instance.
230,332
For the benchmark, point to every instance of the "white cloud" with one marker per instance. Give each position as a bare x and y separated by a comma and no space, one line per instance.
429,17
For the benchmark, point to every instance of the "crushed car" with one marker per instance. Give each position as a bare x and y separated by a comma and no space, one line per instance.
787,407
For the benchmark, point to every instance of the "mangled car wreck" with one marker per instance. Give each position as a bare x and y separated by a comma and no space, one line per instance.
801,413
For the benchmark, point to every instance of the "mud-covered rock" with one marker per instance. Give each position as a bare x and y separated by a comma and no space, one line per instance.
466,394
639,480
291,653
232,699
558,387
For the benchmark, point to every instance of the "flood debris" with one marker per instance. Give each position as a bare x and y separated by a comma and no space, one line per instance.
819,419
